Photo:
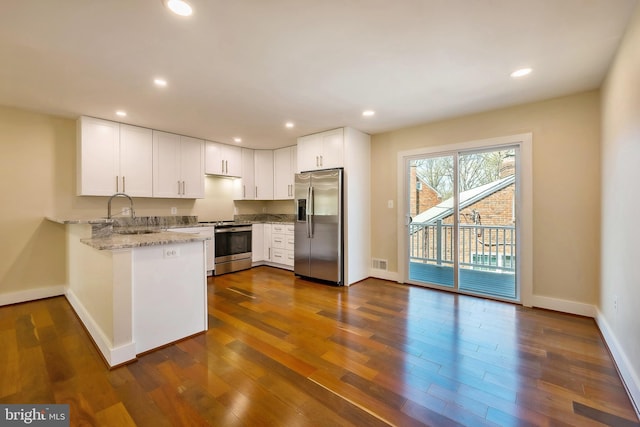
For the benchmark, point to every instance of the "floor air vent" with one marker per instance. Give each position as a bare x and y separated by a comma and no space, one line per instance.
379,264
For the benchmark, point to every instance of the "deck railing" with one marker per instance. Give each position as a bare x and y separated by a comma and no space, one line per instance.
481,247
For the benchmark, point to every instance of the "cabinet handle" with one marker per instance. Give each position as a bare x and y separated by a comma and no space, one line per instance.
124,187
244,191
178,188
222,166
226,166
256,191
184,188
321,161
117,182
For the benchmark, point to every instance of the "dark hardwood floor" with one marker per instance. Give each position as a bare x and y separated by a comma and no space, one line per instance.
288,352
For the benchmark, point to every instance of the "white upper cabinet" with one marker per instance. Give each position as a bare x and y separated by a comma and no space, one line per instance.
246,187
222,159
136,161
178,166
264,174
113,157
324,150
192,167
284,168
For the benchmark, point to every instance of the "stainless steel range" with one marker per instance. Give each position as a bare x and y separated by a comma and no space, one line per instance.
232,246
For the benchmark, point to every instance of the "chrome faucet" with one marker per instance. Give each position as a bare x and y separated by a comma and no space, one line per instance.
131,211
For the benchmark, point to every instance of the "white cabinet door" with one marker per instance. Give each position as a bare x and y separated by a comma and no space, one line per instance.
257,242
323,150
267,242
308,153
222,159
283,173
178,166
98,157
136,161
167,181
233,160
214,164
332,149
247,188
264,174
192,167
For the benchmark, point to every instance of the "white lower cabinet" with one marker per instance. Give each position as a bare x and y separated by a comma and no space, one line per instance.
282,244
257,243
272,244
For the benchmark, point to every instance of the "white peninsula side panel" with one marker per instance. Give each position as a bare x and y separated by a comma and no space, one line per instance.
100,292
170,294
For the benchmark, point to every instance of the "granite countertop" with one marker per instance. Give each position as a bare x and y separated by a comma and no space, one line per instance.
123,233
125,241
78,220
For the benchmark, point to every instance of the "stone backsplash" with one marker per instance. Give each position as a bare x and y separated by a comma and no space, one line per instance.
265,217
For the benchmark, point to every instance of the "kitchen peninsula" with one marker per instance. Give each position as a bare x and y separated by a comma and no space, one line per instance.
136,288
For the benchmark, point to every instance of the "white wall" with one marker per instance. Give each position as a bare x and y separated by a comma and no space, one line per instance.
620,249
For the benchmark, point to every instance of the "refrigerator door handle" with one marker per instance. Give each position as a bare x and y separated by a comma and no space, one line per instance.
310,209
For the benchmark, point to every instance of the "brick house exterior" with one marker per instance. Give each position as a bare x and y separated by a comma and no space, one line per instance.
487,232
422,196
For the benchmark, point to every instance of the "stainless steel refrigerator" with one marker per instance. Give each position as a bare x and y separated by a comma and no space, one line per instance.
318,227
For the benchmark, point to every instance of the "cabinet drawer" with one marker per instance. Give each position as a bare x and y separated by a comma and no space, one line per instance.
278,228
290,258
279,256
278,241
289,243
290,228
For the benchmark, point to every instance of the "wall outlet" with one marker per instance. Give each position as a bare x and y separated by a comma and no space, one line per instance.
390,204
124,211
615,302
264,210
170,252
174,210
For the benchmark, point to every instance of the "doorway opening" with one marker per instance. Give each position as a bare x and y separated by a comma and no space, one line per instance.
462,231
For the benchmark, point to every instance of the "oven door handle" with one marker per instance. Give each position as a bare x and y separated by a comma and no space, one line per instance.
233,230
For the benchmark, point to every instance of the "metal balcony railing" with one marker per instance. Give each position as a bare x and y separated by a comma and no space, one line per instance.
480,247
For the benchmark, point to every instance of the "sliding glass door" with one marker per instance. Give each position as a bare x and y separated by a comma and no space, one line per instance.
462,221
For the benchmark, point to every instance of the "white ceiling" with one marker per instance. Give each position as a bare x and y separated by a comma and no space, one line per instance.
245,67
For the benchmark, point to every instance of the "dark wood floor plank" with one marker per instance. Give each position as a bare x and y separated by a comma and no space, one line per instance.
284,351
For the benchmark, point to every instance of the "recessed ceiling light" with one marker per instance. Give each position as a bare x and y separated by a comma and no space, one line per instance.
368,113
521,72
121,113
179,7
160,82
288,125
236,139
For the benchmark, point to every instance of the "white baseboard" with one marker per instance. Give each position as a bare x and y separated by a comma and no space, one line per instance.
31,294
564,306
630,378
384,274
113,355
